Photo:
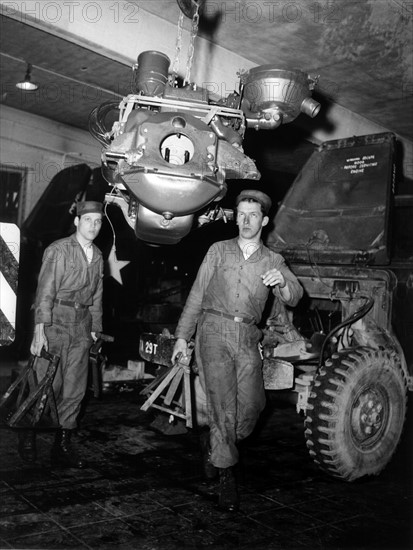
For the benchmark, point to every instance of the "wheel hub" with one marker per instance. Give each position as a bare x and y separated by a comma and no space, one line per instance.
368,417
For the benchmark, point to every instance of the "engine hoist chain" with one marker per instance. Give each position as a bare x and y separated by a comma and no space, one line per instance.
191,48
178,46
195,4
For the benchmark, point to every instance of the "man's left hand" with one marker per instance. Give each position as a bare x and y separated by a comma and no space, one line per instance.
94,337
273,277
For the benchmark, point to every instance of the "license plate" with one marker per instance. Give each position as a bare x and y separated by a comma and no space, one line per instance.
156,348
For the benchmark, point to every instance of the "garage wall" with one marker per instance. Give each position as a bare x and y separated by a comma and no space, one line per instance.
41,148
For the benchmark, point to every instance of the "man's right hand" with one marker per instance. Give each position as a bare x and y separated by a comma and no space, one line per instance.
179,347
39,340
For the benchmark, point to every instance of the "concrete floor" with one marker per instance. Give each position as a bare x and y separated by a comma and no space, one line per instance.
144,490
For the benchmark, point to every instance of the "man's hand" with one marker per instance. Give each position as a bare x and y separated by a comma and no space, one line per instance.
94,337
39,340
274,277
179,347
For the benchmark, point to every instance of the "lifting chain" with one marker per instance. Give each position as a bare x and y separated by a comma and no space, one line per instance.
191,47
178,45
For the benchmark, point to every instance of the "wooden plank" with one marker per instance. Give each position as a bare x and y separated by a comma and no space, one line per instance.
173,387
156,393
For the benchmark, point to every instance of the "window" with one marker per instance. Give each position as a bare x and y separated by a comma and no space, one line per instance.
12,187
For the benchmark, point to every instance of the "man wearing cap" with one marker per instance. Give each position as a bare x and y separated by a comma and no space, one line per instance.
68,314
224,306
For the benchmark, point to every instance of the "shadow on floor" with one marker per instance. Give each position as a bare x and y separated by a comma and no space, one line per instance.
145,490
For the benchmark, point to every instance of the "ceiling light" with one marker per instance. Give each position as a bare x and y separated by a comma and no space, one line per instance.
27,85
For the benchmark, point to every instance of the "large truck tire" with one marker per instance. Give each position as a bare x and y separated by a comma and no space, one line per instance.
356,412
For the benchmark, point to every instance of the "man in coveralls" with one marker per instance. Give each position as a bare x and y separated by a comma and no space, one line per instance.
225,303
68,314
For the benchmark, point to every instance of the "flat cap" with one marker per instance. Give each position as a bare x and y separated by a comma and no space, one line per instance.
263,199
86,207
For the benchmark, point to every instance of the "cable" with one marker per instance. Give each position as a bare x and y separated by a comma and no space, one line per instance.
349,321
314,266
110,223
96,122
320,323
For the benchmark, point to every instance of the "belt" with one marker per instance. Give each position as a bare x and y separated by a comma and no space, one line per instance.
246,320
76,305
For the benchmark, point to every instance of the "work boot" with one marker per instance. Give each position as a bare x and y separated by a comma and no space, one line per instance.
63,454
210,471
27,445
228,492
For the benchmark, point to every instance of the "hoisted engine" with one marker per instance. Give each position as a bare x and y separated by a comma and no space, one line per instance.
170,152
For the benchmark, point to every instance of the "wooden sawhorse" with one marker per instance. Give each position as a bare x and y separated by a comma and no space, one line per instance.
166,388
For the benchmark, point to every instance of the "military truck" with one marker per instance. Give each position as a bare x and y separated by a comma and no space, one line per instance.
346,351
349,352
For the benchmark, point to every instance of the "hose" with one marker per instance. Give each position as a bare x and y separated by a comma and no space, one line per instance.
349,321
97,122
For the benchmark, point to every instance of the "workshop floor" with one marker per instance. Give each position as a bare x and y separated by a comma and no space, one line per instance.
144,489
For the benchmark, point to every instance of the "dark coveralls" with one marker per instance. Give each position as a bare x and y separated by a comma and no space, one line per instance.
226,348
69,303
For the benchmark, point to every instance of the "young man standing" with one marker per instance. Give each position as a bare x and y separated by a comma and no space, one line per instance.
68,314
224,306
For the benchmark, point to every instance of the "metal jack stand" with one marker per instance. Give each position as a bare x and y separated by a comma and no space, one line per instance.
166,387
33,397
